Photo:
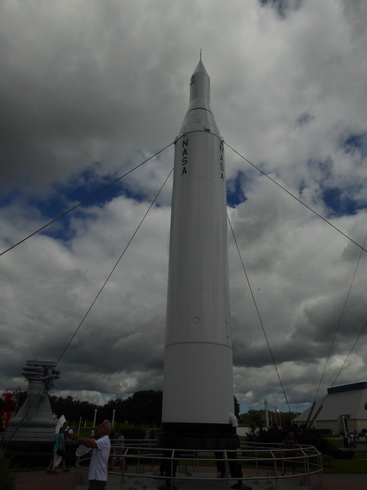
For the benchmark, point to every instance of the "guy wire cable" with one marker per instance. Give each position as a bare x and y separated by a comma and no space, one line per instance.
258,313
99,292
361,247
114,267
351,350
101,189
124,175
339,323
296,198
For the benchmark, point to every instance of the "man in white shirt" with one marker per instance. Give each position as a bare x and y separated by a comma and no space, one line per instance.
98,468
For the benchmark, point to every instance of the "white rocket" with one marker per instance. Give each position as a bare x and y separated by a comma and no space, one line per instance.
198,398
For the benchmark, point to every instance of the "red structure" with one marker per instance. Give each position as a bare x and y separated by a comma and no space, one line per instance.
8,406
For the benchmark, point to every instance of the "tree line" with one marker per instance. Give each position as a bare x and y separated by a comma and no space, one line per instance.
145,408
141,408
257,418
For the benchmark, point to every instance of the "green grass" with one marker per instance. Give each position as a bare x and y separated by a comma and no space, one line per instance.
355,466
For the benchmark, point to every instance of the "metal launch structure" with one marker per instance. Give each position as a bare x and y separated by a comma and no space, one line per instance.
198,398
34,423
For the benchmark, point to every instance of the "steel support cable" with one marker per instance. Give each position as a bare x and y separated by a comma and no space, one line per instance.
88,198
258,312
340,320
99,293
114,268
351,350
361,247
297,199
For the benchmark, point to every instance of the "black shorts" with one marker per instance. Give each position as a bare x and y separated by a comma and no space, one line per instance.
97,485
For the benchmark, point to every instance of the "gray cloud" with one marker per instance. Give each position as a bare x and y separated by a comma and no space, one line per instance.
98,87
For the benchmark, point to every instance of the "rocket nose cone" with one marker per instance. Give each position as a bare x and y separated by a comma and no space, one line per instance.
200,68
200,84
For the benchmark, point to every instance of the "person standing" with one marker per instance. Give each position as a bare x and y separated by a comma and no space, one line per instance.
113,439
119,451
98,467
59,452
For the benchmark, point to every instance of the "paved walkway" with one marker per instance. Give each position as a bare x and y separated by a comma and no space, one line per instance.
40,480
345,482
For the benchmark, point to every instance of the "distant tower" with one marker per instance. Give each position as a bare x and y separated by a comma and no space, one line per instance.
198,399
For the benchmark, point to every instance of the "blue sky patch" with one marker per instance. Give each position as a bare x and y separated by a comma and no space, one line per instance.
356,141
281,6
235,194
87,185
338,203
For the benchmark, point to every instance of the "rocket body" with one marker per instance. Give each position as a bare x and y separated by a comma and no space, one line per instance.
198,368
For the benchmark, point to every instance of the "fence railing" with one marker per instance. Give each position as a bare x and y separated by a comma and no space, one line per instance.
302,464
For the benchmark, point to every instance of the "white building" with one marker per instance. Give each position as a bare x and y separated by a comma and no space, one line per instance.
344,409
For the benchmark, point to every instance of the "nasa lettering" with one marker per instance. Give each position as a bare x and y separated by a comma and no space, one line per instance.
184,158
221,159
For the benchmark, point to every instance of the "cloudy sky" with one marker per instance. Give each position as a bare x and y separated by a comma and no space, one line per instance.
88,91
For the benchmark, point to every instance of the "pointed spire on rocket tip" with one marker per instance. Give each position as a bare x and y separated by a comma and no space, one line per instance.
200,84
